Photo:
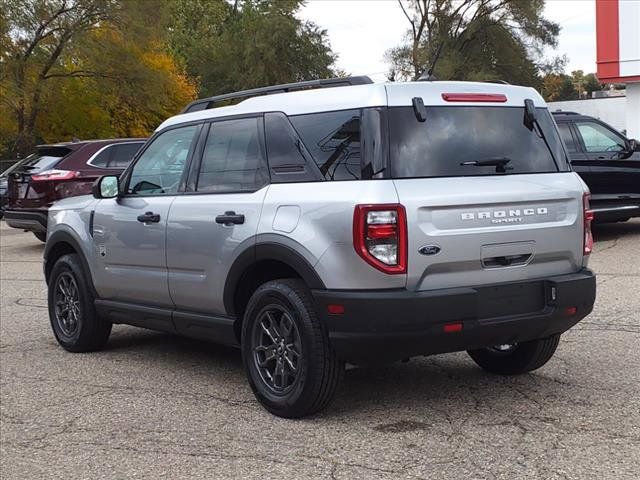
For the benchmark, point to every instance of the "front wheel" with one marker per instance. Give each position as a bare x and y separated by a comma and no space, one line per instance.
289,362
74,320
514,359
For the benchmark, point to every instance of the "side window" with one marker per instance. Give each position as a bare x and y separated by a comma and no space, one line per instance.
333,138
567,138
102,159
598,138
286,153
122,154
232,160
160,167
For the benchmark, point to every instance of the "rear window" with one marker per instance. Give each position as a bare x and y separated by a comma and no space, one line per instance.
451,136
44,159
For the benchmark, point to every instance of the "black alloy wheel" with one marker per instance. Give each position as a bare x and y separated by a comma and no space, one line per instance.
67,304
277,350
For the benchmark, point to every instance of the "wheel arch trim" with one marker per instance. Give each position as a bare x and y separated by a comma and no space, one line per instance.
57,238
268,251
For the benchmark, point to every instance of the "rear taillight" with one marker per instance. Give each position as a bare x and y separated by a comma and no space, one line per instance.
380,236
54,175
588,218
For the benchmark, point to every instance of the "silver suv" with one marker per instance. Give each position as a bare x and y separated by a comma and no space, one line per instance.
331,222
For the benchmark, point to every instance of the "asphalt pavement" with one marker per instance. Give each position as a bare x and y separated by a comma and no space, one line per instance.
157,406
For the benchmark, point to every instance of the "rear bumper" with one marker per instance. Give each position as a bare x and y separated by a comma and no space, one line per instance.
395,324
34,221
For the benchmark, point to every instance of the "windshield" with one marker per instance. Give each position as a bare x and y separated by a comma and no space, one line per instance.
464,141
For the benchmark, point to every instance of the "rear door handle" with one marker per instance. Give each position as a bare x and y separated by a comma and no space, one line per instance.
230,218
149,217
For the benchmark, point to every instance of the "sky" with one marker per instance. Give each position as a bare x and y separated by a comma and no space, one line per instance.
361,31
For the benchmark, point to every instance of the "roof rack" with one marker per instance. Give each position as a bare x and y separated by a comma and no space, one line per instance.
206,103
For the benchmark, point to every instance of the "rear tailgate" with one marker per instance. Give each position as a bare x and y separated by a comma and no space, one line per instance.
22,191
483,230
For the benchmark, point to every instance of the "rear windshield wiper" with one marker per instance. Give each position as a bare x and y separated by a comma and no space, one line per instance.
499,162
531,119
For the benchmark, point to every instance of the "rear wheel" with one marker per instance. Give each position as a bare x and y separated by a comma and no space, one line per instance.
42,236
514,359
75,323
290,365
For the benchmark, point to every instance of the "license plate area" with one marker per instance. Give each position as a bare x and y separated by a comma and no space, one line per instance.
508,300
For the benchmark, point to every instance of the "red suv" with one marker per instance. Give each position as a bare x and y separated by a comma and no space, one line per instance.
58,171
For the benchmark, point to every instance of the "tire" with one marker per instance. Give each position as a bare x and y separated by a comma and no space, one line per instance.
285,309
522,358
42,236
78,328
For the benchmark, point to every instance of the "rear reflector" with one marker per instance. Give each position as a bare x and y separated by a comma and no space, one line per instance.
335,309
452,327
474,97
569,311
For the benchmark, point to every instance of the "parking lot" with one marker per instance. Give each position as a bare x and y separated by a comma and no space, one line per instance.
156,406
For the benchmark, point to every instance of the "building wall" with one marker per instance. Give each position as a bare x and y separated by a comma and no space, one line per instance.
610,110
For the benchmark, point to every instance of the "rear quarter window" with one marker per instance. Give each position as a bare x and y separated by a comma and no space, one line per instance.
333,139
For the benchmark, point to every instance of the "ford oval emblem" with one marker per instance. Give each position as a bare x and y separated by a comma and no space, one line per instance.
429,250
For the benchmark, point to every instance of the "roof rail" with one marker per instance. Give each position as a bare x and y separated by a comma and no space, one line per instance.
564,112
206,103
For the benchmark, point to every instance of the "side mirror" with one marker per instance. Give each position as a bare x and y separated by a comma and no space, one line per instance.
107,186
634,145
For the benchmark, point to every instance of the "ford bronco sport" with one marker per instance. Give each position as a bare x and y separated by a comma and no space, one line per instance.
327,223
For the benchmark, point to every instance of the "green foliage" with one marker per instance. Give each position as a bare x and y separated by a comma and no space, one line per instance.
478,40
558,86
109,68
249,44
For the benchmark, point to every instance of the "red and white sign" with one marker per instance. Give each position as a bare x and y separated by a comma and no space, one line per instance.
618,40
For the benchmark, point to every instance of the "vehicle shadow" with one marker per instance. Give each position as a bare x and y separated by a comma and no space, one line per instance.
603,232
445,383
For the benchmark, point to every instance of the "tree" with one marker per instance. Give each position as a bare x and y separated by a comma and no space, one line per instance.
50,48
248,44
473,40
557,87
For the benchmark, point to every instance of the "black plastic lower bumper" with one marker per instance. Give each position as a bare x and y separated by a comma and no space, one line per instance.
387,325
34,221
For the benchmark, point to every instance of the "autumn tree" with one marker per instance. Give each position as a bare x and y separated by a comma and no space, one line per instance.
101,62
473,40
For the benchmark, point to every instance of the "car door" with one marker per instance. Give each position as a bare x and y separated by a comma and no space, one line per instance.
129,232
211,225
578,159
615,172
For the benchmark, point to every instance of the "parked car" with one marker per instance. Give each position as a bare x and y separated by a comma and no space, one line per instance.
317,226
607,161
58,171
4,185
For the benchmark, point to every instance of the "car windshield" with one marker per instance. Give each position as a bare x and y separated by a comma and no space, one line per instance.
473,140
